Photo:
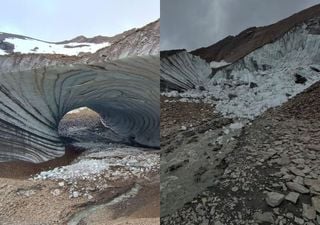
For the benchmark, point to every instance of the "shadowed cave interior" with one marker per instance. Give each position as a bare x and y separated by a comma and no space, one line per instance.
86,125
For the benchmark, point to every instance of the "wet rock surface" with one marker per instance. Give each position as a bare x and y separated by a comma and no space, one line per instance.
272,174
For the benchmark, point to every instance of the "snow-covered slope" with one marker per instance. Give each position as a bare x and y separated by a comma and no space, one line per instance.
134,42
29,45
265,78
139,42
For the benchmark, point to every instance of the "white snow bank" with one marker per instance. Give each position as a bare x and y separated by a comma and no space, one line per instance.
215,64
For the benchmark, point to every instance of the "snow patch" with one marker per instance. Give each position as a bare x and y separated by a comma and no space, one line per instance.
35,46
236,125
215,64
78,110
2,52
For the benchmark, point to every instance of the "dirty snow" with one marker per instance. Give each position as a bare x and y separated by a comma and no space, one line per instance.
113,162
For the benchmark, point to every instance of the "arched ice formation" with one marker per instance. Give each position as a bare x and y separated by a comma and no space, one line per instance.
124,92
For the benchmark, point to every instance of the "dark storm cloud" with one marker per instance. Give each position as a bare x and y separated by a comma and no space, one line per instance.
192,24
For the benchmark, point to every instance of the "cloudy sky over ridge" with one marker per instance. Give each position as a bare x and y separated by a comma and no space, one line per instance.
57,20
192,24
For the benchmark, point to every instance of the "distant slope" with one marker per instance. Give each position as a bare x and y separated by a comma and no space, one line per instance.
11,43
233,48
134,42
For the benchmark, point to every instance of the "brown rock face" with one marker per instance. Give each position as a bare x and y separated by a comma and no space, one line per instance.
233,48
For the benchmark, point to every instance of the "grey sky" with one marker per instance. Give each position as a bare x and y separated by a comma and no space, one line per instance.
192,24
57,20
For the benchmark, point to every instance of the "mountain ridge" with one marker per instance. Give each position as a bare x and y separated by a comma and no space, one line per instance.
253,38
14,43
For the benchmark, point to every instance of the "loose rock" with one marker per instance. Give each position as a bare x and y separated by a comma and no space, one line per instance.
292,197
297,187
316,203
274,199
308,212
266,217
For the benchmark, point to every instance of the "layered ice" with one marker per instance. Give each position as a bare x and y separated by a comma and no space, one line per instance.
32,103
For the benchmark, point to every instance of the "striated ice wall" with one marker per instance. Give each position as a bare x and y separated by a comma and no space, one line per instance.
184,71
32,102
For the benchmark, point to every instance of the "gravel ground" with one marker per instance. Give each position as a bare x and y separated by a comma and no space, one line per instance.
105,184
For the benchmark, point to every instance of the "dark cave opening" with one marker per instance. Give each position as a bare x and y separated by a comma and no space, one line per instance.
86,125
82,125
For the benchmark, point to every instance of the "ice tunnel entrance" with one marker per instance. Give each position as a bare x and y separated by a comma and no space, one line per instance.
125,93
86,125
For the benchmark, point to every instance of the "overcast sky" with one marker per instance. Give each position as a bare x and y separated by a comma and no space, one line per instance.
192,24
57,20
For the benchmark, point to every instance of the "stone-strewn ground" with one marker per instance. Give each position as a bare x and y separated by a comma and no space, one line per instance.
271,177
106,184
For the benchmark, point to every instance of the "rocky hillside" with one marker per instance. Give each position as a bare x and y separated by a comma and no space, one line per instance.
233,48
143,41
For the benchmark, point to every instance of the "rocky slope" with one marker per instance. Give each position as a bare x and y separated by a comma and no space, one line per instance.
271,177
143,41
